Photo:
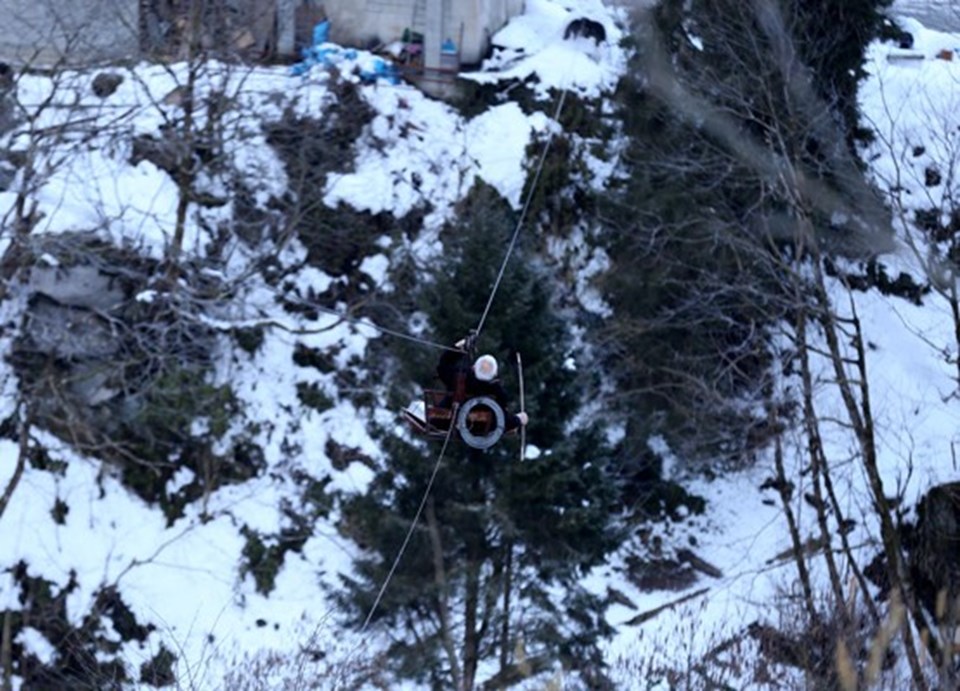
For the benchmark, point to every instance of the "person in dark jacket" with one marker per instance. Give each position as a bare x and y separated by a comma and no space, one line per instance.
478,378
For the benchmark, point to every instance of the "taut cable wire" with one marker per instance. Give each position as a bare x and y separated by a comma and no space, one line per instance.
366,321
436,468
523,212
413,525
404,545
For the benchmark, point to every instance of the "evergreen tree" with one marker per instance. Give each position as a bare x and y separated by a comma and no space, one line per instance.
726,98
828,37
500,538
832,37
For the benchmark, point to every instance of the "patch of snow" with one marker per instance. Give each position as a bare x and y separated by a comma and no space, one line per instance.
533,44
183,477
419,152
376,267
36,644
9,591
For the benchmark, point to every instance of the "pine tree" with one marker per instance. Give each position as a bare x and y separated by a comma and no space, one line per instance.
500,538
832,37
723,93
829,37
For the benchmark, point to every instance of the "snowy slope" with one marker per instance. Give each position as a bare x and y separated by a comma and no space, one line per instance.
185,579
912,104
939,14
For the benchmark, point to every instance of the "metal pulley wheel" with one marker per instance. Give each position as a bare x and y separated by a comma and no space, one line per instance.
480,441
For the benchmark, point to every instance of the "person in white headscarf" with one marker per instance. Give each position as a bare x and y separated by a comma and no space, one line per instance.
477,378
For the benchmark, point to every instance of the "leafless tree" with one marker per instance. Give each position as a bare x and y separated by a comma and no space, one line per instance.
759,130
136,350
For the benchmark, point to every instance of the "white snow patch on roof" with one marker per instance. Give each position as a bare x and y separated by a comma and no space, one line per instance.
533,44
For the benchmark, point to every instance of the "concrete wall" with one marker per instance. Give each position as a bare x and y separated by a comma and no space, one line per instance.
44,33
230,27
481,19
359,22
47,32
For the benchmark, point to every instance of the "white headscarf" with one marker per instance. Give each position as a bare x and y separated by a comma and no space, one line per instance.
485,368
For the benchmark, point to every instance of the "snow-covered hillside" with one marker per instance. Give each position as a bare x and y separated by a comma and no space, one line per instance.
182,578
218,584
909,99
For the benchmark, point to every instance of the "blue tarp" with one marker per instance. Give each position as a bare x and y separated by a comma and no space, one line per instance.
326,54
321,32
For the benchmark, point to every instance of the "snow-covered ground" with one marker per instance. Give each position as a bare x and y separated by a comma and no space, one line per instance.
913,106
939,14
184,578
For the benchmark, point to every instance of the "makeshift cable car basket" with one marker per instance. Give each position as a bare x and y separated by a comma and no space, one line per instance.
479,421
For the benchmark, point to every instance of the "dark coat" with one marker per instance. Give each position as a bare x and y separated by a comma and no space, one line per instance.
454,364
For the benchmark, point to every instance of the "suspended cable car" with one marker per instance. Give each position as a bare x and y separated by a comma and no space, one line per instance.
473,405
479,422
474,419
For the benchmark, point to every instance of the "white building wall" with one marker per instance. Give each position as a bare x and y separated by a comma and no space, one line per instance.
44,33
48,32
481,20
358,22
